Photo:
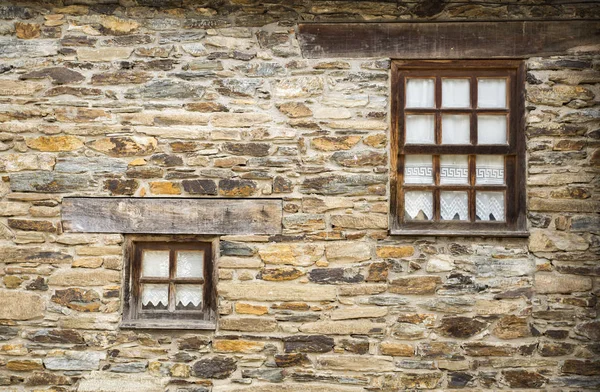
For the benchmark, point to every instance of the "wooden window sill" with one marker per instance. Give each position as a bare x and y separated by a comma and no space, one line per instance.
169,324
465,233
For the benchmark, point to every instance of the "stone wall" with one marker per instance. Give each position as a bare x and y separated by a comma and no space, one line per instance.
215,99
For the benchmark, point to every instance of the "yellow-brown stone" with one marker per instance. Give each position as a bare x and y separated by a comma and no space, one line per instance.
55,143
11,281
237,346
397,349
27,30
24,365
394,252
245,308
164,188
328,143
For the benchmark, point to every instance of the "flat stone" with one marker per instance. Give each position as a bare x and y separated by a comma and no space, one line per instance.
120,78
116,382
461,327
334,143
359,158
23,162
55,143
353,327
20,305
308,344
291,254
335,275
300,87
84,277
348,252
248,149
349,184
552,283
238,120
397,349
9,208
69,336
125,146
78,299
294,109
103,54
75,360
248,324
512,327
316,205
356,363
10,255
24,365
94,165
360,221
394,251
160,89
17,87
58,75
275,292
16,48
359,312
237,346
237,188
280,274
524,379
415,285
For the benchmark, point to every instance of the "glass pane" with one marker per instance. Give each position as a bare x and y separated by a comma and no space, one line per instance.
489,206
155,296
155,263
418,205
190,264
420,129
456,129
454,205
188,297
419,93
456,93
489,170
491,93
454,169
491,129
418,169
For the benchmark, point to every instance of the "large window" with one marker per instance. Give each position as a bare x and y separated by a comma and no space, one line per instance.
169,285
458,148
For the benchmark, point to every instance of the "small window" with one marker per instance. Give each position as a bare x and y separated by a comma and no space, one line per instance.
169,284
458,148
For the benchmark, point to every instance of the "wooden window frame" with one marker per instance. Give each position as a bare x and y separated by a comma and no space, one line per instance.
515,224
135,317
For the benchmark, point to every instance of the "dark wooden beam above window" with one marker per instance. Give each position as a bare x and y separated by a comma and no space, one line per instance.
172,216
447,40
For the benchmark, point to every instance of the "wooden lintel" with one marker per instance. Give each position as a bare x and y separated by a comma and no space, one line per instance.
172,216
447,40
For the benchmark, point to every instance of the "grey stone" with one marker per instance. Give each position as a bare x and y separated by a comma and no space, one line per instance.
93,165
166,89
350,184
49,182
218,367
131,367
75,360
16,48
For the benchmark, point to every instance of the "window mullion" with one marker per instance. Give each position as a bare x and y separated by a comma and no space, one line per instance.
172,260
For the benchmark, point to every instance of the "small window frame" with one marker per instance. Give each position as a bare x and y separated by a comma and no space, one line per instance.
136,318
515,224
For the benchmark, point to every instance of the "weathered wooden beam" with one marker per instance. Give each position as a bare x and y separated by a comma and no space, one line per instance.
172,216
447,40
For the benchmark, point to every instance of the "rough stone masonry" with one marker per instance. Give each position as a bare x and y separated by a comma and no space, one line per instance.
214,99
